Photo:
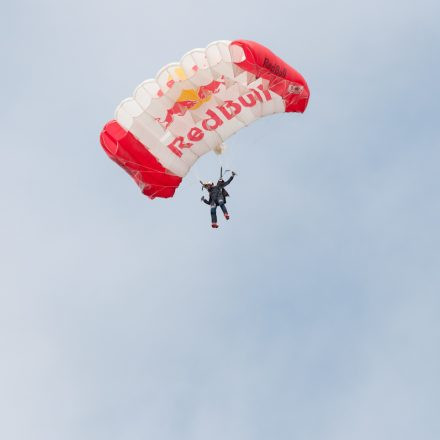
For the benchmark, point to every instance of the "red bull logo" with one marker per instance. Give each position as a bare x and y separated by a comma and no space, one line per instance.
217,117
190,99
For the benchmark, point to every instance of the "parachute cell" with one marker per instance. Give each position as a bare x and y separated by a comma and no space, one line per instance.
191,107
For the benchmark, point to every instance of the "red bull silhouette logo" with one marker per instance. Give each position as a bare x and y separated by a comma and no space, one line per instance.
190,99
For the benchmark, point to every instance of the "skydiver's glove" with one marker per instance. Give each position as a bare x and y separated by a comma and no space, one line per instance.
202,199
233,173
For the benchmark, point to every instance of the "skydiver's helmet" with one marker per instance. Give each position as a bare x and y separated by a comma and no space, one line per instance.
209,184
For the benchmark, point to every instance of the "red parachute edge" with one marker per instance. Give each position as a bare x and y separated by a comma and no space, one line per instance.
263,63
130,154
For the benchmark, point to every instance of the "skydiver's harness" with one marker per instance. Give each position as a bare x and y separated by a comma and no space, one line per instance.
220,194
204,185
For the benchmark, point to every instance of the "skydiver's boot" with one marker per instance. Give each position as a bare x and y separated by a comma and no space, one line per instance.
214,225
226,216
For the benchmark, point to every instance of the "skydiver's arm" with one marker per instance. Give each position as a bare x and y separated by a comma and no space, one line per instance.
228,181
205,201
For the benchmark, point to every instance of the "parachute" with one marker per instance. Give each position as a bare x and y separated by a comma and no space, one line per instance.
194,105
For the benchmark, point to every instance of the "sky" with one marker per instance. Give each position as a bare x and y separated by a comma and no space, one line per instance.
311,314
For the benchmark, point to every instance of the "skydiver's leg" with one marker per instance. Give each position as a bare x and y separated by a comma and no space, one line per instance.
225,211
214,215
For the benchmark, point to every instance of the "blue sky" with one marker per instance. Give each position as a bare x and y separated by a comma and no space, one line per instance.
312,314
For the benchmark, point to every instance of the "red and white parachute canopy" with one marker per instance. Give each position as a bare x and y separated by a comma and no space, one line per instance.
192,106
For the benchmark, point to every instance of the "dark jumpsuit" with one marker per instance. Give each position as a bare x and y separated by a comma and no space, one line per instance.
217,197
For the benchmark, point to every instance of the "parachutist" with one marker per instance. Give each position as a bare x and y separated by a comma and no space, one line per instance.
217,197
